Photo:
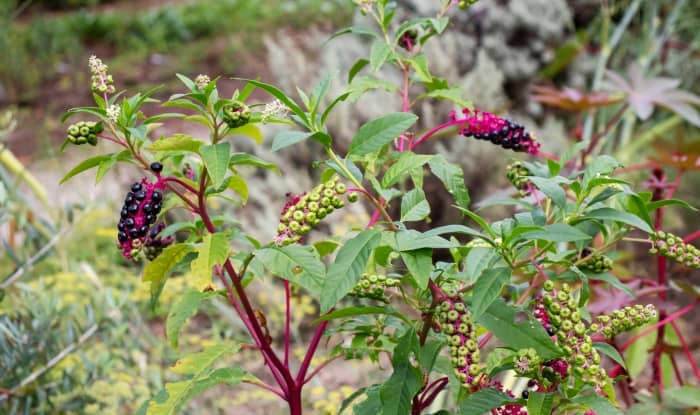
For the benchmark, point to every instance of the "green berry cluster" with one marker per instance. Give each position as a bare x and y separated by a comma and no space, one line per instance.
463,4
456,322
236,114
527,362
673,247
517,174
573,335
596,263
372,286
622,320
84,132
306,210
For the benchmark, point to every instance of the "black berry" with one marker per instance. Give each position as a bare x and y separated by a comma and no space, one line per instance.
133,208
136,187
156,167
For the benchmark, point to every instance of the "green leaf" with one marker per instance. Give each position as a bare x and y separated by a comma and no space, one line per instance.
354,311
357,67
251,160
552,189
213,250
182,310
215,158
478,219
409,240
614,281
287,138
248,130
611,352
454,95
414,207
478,260
599,166
558,232
419,63
483,401
670,202
378,54
540,403
197,365
85,165
398,391
420,264
500,318
157,270
298,264
277,93
177,142
607,213
683,397
362,84
407,161
344,272
487,288
379,132
597,403
452,176
106,165
240,186
356,30
372,405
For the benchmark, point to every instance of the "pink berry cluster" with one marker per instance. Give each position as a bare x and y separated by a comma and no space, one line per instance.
673,247
142,205
501,131
305,211
456,322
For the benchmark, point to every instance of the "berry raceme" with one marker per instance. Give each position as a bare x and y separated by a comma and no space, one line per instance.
373,286
596,263
154,244
517,174
84,132
455,321
236,114
625,319
142,205
305,211
501,131
673,247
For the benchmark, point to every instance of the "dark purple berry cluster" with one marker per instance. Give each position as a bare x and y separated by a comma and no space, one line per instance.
500,131
142,205
456,322
673,247
84,132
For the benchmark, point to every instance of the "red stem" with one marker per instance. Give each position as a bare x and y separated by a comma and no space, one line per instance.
692,236
649,329
181,183
310,352
287,319
686,350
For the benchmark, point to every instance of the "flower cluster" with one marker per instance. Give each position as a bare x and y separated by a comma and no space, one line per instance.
517,174
501,131
274,109
622,320
572,334
527,362
142,205
596,263
201,81
236,114
373,286
456,322
305,211
100,81
673,247
84,132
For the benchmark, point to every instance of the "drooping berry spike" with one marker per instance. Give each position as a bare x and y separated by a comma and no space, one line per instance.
501,131
142,205
673,248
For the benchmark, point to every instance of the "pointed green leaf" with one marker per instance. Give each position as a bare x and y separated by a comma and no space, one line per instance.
420,264
379,132
483,401
157,270
349,264
419,63
298,264
245,159
239,185
215,158
452,176
611,352
407,161
597,403
176,142
487,288
414,207
409,240
248,130
85,165
558,232
540,403
607,213
287,138
378,54
182,310
277,93
213,250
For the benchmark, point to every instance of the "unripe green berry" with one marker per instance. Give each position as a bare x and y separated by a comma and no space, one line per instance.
548,286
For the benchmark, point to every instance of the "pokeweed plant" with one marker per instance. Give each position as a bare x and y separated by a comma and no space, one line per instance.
524,280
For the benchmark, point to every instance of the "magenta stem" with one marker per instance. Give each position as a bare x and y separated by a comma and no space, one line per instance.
686,350
435,130
692,236
181,182
287,319
318,333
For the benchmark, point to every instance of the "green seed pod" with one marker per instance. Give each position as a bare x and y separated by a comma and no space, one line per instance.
548,286
352,197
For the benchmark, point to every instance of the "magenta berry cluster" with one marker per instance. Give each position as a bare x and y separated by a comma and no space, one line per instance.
142,205
456,323
509,409
501,131
372,286
305,211
625,319
673,247
236,114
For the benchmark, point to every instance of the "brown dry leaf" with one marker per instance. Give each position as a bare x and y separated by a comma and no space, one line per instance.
572,99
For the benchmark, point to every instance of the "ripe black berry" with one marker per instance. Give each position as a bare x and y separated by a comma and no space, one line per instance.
525,394
140,195
122,237
156,196
124,214
551,331
136,187
129,198
133,208
156,167
156,208
129,222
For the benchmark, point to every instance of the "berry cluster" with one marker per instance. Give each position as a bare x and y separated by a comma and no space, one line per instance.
305,211
84,132
573,336
463,4
622,320
456,322
153,244
141,207
100,81
501,131
236,114
373,286
517,175
673,247
596,263
510,409
527,362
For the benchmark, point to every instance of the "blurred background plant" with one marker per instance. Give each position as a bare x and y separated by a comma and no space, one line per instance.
77,331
